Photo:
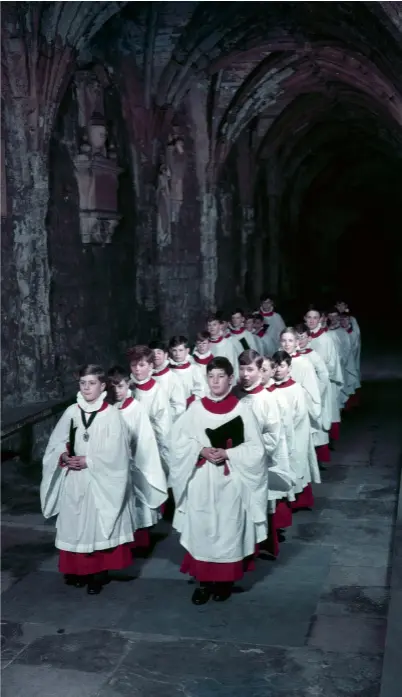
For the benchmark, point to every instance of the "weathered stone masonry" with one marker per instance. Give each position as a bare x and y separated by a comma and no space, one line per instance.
218,122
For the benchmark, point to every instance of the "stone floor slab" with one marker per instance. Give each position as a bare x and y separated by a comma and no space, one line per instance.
208,669
46,681
166,608
357,576
354,600
93,651
351,634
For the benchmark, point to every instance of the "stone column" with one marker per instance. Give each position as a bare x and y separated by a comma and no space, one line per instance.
29,311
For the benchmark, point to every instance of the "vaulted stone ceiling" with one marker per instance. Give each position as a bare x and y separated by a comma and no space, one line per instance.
281,105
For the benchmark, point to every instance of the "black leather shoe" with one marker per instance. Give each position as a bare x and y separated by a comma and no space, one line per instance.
94,587
80,582
75,581
201,595
222,592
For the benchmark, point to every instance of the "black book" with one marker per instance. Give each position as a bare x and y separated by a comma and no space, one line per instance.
230,432
244,344
71,438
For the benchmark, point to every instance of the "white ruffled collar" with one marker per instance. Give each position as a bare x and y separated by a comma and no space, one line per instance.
213,398
249,389
172,362
202,355
161,367
140,382
89,407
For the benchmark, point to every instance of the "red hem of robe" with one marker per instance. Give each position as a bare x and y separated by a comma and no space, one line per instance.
213,572
142,539
334,431
283,514
305,499
353,401
323,453
82,564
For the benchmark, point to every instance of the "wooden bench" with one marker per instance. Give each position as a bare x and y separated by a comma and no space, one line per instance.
22,419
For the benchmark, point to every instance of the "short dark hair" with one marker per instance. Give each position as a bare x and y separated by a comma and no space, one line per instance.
258,315
92,369
221,363
312,307
202,336
214,317
178,340
302,328
116,374
266,296
140,353
237,311
158,345
281,357
249,357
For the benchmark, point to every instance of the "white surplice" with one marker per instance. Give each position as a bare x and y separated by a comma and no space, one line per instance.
220,516
303,372
156,404
321,437
302,457
275,325
321,342
173,387
348,363
92,504
265,408
191,378
148,480
202,360
354,335
242,340
223,347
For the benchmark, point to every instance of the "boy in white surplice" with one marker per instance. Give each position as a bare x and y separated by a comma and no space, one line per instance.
85,484
220,484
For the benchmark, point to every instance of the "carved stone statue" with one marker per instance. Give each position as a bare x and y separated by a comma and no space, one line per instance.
97,134
176,163
164,216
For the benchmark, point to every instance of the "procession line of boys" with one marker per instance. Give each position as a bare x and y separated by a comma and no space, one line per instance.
234,433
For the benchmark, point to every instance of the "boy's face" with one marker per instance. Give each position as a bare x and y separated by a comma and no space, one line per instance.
282,371
237,320
267,305
202,346
249,324
141,370
214,328
341,306
219,382
303,340
288,343
267,372
121,390
333,319
249,375
179,353
224,326
91,388
312,319
258,325
160,357
345,322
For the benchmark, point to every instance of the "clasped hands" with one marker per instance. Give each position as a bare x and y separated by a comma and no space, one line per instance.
76,462
217,456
